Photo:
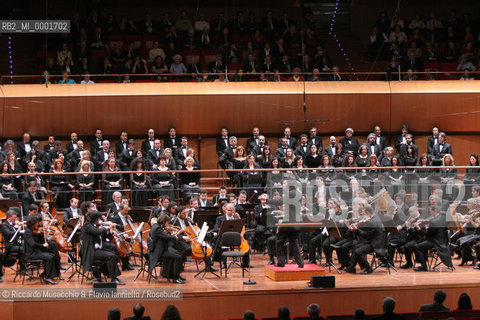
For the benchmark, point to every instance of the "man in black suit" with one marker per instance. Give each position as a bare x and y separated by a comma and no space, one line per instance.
161,246
128,155
432,140
55,153
258,149
292,142
332,147
217,66
72,144
138,311
222,195
373,240
30,196
401,138
437,305
50,145
121,145
121,220
155,153
181,152
203,199
226,159
281,151
303,149
253,141
96,144
388,314
435,237
24,146
71,212
442,148
316,140
147,144
379,139
314,312
114,206
101,157
404,147
349,142
222,141
172,141
77,154
12,245
372,146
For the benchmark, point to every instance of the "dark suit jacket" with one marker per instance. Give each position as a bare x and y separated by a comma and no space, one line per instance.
377,150
318,143
118,221
94,146
168,143
373,233
31,245
99,160
437,154
7,233
299,152
70,147
145,147
398,141
113,209
21,148
383,143
353,146
329,152
90,236
280,154
292,142
220,146
389,316
216,198
251,143
125,158
68,214
435,306
27,200
218,222
119,148
48,147
152,155
430,144
208,204
158,244
179,156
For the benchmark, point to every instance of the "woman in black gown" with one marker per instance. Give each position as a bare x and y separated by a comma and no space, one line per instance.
60,185
112,181
139,183
85,182
162,179
6,183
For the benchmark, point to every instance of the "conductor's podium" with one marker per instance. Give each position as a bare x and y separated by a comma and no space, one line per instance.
291,272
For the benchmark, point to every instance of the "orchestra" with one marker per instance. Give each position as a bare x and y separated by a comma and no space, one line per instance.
376,211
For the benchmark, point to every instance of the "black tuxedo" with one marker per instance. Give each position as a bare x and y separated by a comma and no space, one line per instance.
430,143
75,158
27,200
207,204
330,152
350,145
221,146
280,153
318,143
48,147
21,148
7,233
382,142
120,147
376,149
161,246
179,155
251,143
216,198
435,306
292,142
113,209
118,221
258,151
399,140
152,155
446,148
300,151
70,147
127,157
95,146
168,143
68,214
146,146
99,159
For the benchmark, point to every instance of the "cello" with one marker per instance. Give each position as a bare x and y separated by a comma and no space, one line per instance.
199,250
137,243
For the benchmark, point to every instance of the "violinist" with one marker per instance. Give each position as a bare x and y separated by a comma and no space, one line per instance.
94,248
371,239
407,237
9,228
38,248
121,219
435,237
162,247
72,212
469,233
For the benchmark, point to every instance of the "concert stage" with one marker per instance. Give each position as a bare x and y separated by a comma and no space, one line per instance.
224,298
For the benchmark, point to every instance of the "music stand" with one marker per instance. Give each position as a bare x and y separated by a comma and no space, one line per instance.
333,231
200,240
142,216
5,204
70,230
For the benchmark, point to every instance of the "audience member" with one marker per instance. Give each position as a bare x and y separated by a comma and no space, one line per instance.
437,305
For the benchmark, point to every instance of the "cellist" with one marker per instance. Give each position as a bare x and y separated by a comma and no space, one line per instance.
182,221
121,220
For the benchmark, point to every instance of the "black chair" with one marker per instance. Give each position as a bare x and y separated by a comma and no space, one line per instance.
95,269
231,241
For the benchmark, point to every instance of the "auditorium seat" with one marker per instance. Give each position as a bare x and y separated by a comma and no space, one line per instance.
434,315
340,317
410,316
467,314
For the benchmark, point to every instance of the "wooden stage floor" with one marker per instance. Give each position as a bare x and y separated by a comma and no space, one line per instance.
230,297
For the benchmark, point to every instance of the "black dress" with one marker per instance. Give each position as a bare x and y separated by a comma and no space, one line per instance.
86,193
108,189
139,192
7,180
34,250
237,176
313,162
190,183
163,182
59,186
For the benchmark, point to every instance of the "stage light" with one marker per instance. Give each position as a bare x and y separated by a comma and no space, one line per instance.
10,56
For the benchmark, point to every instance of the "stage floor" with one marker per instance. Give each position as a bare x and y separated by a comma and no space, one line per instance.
461,276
